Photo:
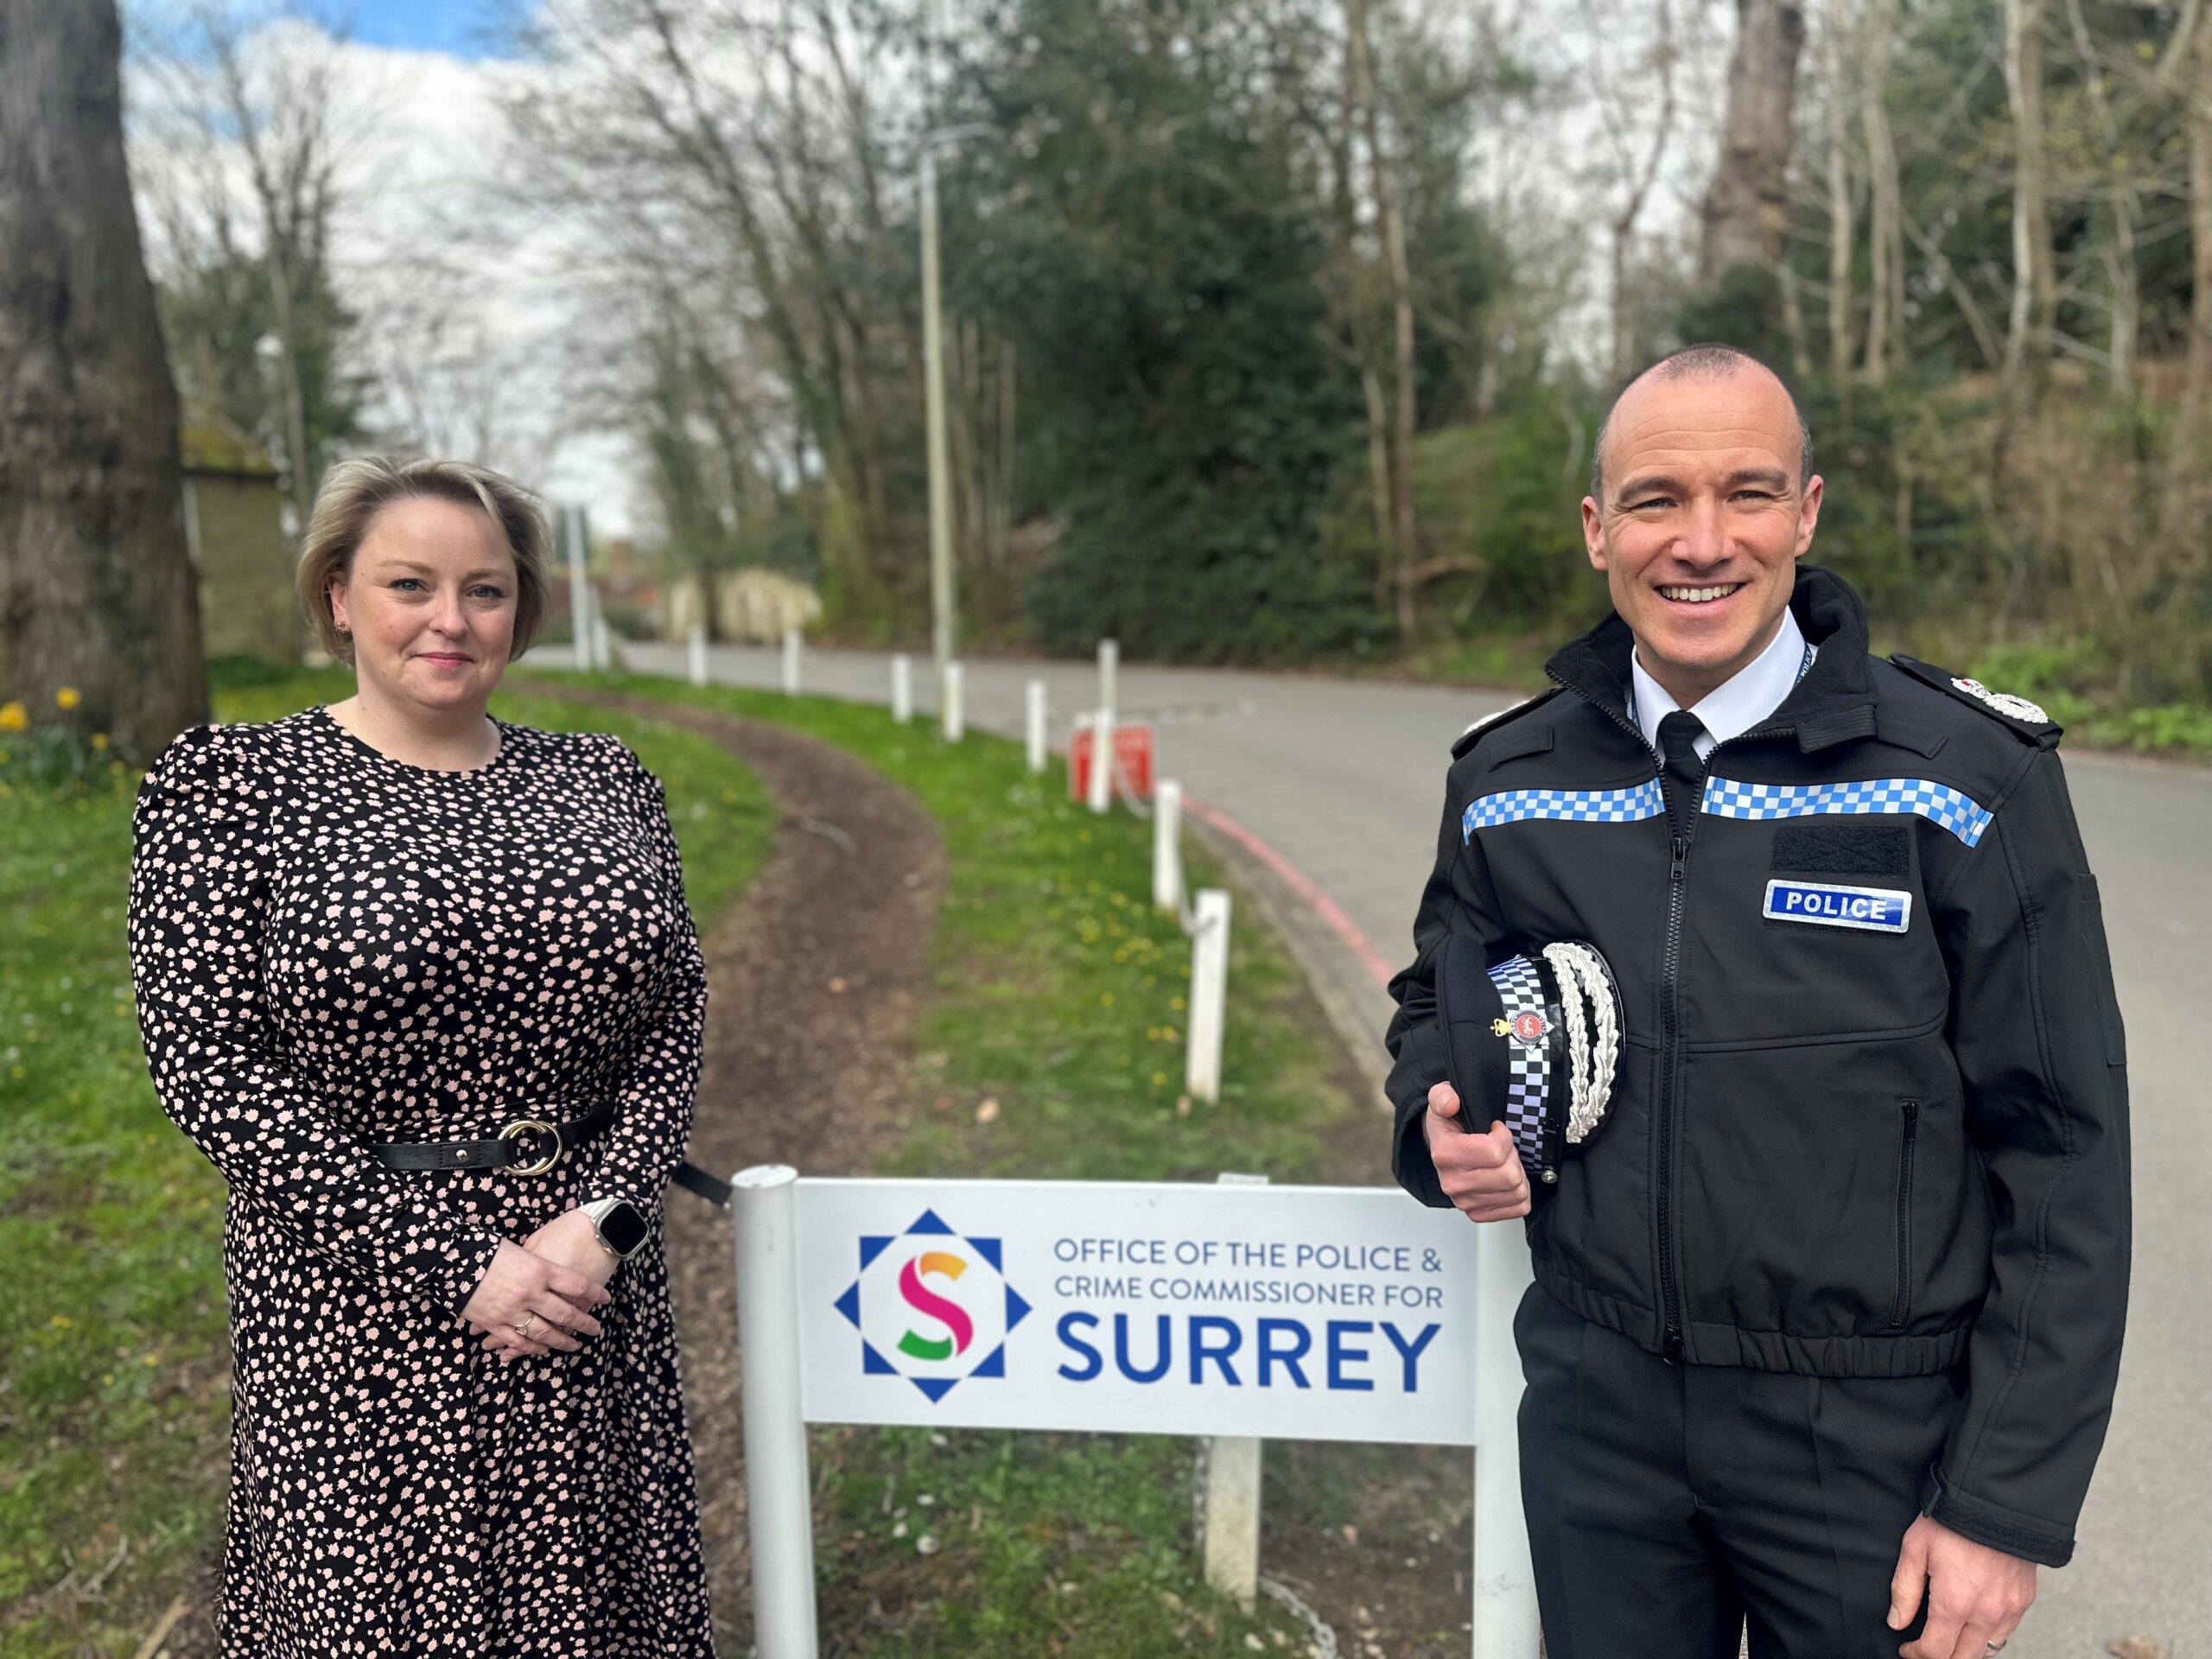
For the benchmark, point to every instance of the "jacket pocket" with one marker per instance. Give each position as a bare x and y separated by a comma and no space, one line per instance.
1909,1136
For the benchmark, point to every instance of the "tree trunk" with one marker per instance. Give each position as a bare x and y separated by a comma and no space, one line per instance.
1390,228
1885,240
97,589
1843,228
2035,292
2118,254
2182,530
1747,207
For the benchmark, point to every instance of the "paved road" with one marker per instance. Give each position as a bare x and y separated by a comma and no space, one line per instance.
1346,780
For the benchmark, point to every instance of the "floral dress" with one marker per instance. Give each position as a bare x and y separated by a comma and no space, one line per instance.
332,948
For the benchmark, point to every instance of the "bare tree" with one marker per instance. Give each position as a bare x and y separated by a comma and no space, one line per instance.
744,143
1384,185
2184,492
1843,230
2035,289
97,590
1884,204
1747,207
1637,177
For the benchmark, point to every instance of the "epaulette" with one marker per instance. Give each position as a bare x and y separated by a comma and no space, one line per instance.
2024,719
1488,722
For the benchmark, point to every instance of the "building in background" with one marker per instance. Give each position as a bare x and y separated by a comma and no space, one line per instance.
234,527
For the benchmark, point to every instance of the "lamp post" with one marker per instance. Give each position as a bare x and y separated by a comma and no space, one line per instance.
943,597
945,602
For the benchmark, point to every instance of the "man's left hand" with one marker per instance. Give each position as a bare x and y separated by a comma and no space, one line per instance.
1976,1595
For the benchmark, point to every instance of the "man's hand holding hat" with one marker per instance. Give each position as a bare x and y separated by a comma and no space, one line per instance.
1480,1173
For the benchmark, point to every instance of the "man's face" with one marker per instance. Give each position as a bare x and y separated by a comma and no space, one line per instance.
1703,522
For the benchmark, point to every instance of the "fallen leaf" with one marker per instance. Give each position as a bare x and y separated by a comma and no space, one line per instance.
2136,1647
1352,1537
836,987
989,1111
1182,1105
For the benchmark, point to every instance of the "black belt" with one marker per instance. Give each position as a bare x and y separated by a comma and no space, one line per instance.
532,1146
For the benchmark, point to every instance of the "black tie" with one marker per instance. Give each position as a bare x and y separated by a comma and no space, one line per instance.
1683,778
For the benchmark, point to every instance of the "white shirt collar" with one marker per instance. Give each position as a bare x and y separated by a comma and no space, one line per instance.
1740,702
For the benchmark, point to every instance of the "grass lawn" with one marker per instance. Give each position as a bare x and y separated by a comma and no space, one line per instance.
114,1408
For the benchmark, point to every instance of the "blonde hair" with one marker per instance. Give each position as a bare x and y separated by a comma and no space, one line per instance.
354,491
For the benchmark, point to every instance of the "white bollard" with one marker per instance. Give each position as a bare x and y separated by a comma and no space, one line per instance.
1168,845
1504,1614
570,529
602,643
1110,665
902,688
1102,761
780,1518
791,661
1209,996
1230,1541
955,710
696,643
1035,725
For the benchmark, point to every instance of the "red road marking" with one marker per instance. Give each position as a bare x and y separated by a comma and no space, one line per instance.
1327,909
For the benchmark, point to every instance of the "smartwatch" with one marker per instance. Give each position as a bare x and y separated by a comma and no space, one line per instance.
621,1227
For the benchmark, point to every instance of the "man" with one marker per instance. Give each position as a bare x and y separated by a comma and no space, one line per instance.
1826,1316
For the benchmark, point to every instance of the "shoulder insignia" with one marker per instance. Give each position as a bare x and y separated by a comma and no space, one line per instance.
1468,739
2027,718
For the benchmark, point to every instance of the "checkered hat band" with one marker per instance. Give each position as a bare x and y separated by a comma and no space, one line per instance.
1528,1070
1569,805
1922,797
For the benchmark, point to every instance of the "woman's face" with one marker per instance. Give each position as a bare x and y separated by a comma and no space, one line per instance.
430,602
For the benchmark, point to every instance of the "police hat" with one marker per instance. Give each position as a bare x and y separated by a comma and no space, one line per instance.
1534,1039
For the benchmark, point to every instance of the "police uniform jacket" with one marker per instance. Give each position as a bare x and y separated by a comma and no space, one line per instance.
1870,1117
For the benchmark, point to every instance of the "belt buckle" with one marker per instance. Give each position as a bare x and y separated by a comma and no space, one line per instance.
544,1127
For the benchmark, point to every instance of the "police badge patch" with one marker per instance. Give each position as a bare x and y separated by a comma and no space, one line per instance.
2003,702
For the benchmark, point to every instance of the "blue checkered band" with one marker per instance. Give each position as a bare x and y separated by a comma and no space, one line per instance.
1572,805
1528,1069
1922,797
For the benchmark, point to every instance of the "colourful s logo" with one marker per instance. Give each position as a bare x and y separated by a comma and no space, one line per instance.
950,1314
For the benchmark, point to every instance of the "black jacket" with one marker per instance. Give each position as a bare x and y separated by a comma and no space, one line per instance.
1835,1149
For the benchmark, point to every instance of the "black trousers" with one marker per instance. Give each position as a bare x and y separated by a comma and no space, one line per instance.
1669,1504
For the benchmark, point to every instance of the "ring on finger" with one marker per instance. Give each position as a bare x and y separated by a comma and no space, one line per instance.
523,1329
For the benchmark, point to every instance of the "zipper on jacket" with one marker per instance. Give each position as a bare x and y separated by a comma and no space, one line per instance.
1669,998
1903,1302
1670,1037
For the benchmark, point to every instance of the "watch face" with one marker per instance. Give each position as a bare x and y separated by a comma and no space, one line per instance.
624,1227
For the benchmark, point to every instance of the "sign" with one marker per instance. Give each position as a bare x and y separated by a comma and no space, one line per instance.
1337,1313
1132,759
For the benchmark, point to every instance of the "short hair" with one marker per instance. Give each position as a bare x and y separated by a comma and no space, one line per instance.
354,491
1707,360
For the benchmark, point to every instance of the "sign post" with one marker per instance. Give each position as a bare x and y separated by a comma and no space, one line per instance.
1296,1312
779,1494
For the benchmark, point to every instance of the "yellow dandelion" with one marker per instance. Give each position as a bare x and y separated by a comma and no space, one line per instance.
62,1321
1106,999
12,717
66,698
1158,1078
100,740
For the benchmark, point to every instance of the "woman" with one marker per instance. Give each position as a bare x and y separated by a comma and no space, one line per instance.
421,984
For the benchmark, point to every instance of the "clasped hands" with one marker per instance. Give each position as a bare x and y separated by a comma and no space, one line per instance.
559,1274
1976,1595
